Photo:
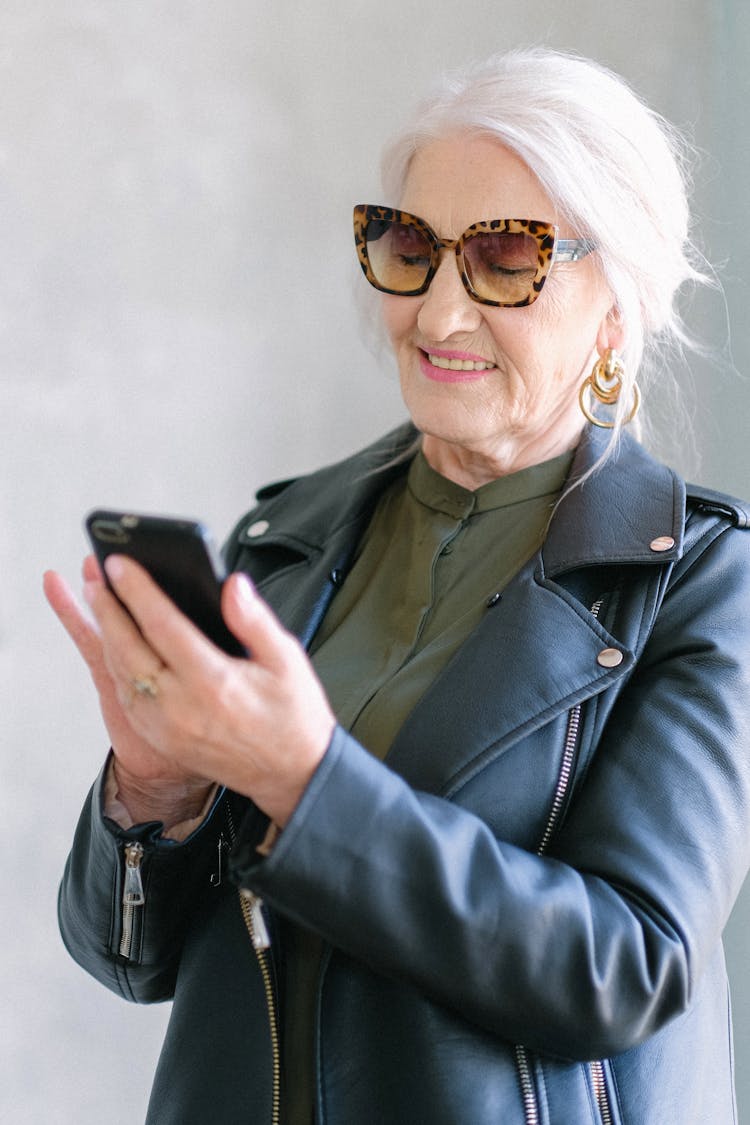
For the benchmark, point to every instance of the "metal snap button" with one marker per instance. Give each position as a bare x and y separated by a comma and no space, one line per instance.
662,543
610,657
260,527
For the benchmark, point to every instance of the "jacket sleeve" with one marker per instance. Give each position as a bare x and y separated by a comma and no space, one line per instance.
589,949
135,952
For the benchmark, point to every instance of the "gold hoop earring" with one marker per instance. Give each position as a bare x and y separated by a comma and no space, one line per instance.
604,384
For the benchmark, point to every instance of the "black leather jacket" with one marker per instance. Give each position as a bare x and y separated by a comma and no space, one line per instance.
523,908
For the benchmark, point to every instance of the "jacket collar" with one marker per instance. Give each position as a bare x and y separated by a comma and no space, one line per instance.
305,512
630,511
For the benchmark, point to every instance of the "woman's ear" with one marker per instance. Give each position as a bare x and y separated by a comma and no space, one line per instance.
611,332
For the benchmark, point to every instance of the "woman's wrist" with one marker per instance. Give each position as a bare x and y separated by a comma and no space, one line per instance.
169,800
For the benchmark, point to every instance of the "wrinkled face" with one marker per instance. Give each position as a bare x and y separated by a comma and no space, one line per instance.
514,400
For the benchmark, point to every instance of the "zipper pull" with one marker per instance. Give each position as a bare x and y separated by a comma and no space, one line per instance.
259,929
215,879
132,891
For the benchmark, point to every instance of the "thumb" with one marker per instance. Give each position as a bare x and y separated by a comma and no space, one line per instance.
254,623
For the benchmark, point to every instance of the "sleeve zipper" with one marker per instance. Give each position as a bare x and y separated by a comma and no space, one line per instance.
133,897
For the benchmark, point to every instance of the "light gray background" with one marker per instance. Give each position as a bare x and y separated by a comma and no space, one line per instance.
157,160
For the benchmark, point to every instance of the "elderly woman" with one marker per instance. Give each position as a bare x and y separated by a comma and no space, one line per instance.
488,828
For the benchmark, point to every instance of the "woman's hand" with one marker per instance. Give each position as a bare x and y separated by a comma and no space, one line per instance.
182,713
135,756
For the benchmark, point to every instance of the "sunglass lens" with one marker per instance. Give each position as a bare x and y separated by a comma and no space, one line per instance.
399,255
502,266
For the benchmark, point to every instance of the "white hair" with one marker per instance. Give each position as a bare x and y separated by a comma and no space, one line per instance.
615,169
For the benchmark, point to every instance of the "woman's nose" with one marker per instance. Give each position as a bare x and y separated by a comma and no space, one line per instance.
447,309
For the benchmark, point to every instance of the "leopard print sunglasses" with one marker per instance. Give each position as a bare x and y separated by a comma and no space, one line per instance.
502,262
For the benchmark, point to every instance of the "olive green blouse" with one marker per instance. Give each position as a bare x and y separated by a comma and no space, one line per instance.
433,556
431,560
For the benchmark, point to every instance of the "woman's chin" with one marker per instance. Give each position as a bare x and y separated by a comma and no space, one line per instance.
447,413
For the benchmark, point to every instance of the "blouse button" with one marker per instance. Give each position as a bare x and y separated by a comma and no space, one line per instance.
610,658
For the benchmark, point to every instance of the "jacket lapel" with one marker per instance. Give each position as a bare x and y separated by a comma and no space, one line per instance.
533,657
298,542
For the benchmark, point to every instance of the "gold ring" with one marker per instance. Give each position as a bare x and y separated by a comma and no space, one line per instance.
145,685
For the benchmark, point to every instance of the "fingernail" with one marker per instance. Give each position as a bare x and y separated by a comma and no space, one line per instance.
114,568
245,588
89,592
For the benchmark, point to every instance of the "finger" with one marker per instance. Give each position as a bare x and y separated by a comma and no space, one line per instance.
115,622
255,625
91,569
112,695
84,635
71,615
165,629
126,655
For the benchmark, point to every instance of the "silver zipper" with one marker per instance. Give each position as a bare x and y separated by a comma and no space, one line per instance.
599,1083
528,1094
596,1069
566,764
563,778
132,893
257,923
252,912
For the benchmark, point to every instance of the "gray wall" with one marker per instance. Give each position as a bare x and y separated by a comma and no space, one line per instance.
156,160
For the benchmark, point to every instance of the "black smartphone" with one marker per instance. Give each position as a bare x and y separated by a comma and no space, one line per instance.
181,558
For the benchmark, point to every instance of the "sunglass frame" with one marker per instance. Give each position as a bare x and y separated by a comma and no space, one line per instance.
551,249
